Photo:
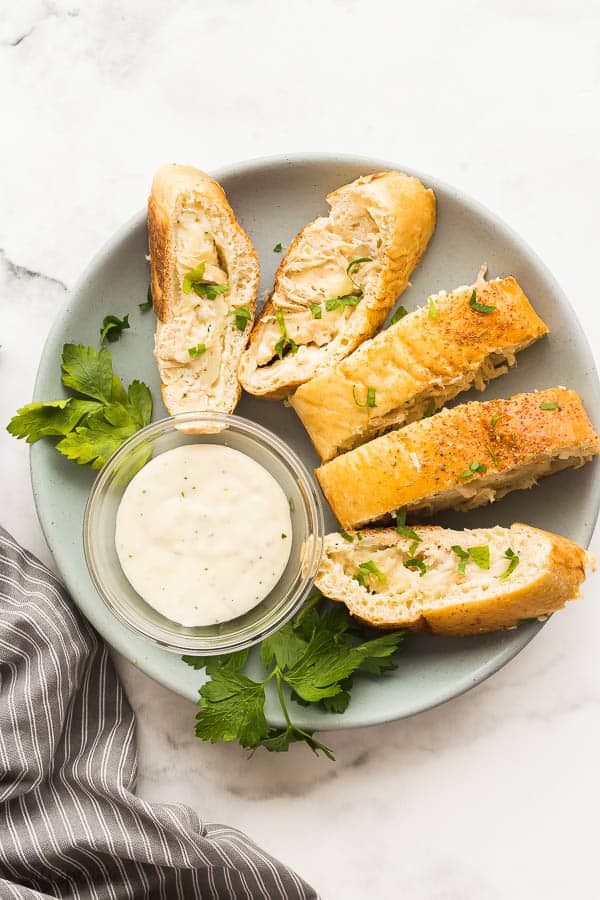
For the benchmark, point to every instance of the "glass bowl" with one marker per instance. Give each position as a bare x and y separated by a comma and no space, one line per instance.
297,579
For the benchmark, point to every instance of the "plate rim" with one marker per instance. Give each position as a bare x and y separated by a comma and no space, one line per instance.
122,640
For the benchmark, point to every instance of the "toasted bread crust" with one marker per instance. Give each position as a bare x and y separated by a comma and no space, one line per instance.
401,206
557,581
424,462
417,358
170,185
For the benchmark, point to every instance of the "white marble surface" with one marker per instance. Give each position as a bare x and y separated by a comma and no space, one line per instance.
490,797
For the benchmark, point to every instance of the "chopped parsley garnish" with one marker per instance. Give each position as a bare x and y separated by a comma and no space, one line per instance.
148,303
370,400
283,536
480,307
316,310
432,312
479,555
402,529
369,568
416,563
112,328
285,340
413,547
399,314
193,281
492,454
494,420
549,405
347,537
430,409
242,316
512,565
210,291
317,655
197,351
277,248
352,299
473,468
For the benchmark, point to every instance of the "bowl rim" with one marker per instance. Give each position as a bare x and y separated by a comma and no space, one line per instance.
291,601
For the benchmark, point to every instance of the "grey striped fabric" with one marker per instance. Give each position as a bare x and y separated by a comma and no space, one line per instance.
70,823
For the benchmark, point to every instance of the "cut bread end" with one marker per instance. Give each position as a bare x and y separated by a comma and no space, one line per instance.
372,578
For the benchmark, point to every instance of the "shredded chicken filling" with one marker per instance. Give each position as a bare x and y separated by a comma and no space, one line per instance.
441,583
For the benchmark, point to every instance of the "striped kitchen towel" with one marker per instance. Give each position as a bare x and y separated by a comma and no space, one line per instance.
70,822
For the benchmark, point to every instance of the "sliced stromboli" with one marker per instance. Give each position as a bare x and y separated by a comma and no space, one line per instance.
460,458
205,277
458,340
452,582
338,281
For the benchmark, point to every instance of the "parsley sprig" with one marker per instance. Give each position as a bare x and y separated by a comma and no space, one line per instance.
112,328
480,307
97,419
313,659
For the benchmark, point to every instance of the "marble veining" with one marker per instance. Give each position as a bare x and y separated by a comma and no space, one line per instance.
489,797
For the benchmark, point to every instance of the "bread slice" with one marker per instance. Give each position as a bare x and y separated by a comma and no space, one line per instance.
198,343
381,223
461,458
418,364
542,574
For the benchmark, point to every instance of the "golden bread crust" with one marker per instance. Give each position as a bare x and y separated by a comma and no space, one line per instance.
417,361
425,460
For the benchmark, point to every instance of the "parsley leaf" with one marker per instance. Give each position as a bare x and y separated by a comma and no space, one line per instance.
148,303
232,708
194,281
197,351
353,267
480,307
473,468
549,405
347,537
370,400
494,420
315,656
90,429
430,409
316,310
242,316
512,565
88,371
399,314
112,328
285,340
352,299
369,568
416,563
432,312
277,248
479,555
402,529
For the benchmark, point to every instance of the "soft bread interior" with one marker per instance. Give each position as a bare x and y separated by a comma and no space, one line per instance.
316,272
203,232
402,595
384,219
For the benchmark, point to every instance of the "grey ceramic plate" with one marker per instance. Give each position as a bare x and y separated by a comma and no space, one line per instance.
273,199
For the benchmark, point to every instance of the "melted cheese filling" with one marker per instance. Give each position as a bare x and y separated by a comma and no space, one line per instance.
196,320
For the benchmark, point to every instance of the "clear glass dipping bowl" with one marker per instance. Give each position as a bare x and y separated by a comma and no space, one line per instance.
261,445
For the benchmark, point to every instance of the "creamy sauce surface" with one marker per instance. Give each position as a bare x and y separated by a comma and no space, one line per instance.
203,533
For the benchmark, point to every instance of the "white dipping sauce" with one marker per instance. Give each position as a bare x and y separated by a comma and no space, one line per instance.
203,533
